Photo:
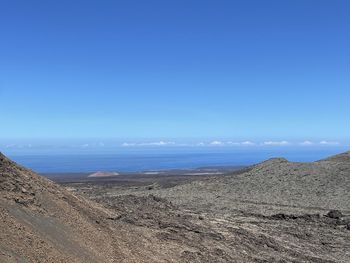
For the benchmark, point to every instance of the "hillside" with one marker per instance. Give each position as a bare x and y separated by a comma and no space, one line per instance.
274,186
42,222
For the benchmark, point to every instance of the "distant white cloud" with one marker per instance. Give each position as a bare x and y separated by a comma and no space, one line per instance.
244,143
160,143
306,143
276,143
86,145
18,146
216,143
201,144
127,144
247,143
329,143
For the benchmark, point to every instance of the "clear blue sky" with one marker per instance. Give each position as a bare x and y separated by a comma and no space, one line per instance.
171,69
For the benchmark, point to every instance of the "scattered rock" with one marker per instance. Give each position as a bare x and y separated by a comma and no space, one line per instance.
282,216
335,214
20,201
306,217
117,217
156,198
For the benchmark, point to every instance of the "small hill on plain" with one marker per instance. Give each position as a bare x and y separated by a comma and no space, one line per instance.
274,185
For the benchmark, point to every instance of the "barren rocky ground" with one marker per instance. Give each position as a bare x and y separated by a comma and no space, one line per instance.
275,211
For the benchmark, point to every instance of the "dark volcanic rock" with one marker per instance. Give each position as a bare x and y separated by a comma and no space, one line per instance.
306,217
335,214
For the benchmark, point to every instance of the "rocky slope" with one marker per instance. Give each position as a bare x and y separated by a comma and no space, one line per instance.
273,186
42,222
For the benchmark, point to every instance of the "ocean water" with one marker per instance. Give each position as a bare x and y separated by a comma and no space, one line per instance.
160,159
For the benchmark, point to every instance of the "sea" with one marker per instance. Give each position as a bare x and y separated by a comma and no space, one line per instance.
161,159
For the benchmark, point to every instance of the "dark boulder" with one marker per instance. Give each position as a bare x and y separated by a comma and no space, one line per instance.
335,214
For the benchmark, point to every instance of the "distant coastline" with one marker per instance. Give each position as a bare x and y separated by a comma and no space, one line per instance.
162,160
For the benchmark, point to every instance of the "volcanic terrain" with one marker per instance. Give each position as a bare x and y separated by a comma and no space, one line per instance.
275,211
